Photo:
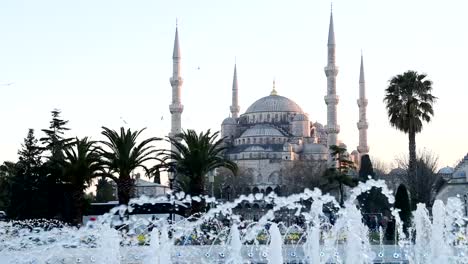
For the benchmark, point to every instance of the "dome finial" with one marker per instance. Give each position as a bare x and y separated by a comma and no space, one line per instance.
274,92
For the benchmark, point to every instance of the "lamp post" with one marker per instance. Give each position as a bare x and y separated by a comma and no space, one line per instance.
171,171
465,197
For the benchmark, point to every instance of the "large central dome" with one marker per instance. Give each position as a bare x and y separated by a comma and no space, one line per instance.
274,103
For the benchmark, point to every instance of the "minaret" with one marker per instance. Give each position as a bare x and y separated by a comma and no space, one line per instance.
176,108
235,108
331,99
362,125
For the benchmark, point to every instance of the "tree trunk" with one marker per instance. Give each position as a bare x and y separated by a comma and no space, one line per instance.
412,154
341,194
198,190
125,188
77,196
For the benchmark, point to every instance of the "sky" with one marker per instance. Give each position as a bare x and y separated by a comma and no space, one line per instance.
108,63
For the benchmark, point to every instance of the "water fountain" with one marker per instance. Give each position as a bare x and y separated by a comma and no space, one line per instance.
437,238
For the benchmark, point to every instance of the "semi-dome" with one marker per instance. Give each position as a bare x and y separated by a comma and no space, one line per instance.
274,103
229,121
446,170
262,130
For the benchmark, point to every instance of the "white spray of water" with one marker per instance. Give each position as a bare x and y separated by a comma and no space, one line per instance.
154,249
235,245
275,249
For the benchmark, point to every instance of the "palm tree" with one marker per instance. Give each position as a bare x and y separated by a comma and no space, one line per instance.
123,156
195,155
82,162
409,101
339,173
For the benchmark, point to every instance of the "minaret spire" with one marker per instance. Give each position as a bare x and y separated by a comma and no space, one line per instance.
235,108
176,108
331,99
362,125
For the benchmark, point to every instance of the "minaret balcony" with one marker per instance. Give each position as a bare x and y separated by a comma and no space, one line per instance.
362,125
362,102
177,81
176,108
332,99
332,129
331,70
363,149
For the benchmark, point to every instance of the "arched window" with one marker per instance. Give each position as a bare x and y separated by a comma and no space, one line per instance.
254,140
268,117
276,117
248,141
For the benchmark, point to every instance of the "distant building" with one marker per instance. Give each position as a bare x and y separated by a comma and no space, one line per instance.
457,183
274,131
147,188
143,187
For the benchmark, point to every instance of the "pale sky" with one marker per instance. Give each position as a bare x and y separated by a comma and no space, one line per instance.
102,62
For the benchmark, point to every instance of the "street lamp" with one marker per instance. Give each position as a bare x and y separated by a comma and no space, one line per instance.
171,173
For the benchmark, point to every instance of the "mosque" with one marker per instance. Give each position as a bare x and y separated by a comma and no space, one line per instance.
274,131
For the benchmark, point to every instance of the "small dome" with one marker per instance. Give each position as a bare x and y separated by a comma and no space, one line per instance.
301,117
459,174
274,103
229,121
317,125
446,170
262,130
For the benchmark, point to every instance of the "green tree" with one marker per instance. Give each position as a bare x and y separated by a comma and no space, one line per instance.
194,156
28,186
409,102
372,201
54,143
104,191
81,165
402,203
123,155
7,173
339,173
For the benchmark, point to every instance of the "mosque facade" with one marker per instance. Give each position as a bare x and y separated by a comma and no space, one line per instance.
275,131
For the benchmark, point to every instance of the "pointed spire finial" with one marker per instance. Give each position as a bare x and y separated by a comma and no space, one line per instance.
361,72
331,31
176,53
273,91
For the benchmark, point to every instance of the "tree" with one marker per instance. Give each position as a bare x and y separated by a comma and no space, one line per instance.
7,173
28,184
54,142
409,102
424,186
104,191
306,174
228,186
402,202
82,163
372,201
194,156
339,172
123,155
